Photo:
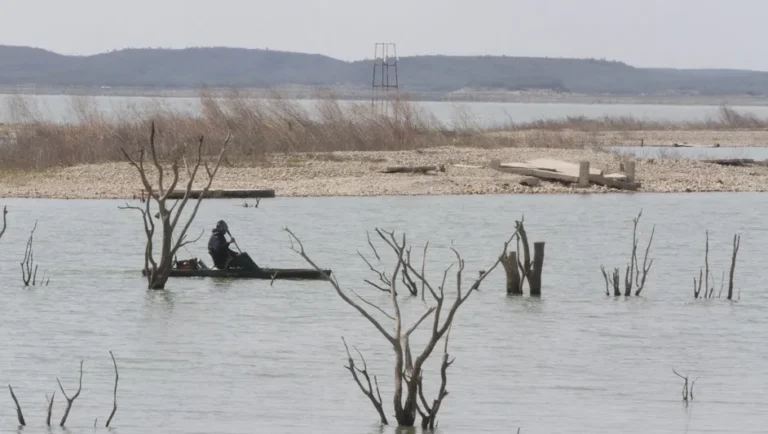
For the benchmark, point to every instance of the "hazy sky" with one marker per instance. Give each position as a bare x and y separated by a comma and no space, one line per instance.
669,33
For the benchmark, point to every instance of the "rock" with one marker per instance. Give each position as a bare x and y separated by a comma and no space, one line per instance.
530,181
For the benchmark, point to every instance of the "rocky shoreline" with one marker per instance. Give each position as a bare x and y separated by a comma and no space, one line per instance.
358,174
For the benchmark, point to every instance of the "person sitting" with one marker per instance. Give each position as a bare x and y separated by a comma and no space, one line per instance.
223,257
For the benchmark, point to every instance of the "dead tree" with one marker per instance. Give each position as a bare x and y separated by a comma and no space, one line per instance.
704,275
635,274
409,398
28,266
687,392
518,271
158,271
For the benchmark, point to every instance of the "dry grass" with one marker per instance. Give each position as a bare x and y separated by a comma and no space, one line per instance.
728,119
279,125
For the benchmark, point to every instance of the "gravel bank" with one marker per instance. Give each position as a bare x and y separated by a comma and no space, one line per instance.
356,174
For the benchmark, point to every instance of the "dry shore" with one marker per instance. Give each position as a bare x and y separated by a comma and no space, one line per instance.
357,174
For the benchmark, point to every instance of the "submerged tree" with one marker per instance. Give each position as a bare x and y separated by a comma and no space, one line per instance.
705,275
158,270
409,396
635,274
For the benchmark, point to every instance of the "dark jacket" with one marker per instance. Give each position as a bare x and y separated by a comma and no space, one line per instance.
218,248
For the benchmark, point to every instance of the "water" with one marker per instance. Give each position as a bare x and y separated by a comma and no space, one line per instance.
694,153
244,356
57,108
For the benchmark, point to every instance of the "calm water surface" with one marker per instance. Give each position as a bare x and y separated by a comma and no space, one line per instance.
694,153
244,356
58,108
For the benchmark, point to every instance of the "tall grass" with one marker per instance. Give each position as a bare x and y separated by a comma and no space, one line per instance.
278,125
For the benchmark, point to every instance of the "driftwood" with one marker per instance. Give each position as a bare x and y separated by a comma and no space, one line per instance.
519,267
635,274
737,162
416,169
157,272
408,370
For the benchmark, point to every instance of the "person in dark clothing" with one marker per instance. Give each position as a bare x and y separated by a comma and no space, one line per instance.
223,257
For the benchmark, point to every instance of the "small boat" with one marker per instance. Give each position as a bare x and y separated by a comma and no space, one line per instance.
197,268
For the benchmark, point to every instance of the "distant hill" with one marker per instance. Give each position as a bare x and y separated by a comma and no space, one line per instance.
250,68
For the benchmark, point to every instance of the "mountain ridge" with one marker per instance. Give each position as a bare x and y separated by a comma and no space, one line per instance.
233,67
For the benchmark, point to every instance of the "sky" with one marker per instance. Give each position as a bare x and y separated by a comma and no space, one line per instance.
645,33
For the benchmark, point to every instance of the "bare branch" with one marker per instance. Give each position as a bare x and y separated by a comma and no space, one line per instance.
736,245
368,391
50,409
74,397
5,221
336,286
114,406
19,414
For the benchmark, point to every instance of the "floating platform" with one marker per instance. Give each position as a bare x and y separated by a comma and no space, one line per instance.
222,194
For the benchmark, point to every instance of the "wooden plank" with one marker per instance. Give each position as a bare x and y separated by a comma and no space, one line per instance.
560,166
543,174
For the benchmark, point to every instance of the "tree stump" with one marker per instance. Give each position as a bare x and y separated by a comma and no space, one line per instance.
534,280
514,282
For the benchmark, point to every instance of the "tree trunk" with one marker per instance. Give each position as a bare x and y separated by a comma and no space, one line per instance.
514,284
534,280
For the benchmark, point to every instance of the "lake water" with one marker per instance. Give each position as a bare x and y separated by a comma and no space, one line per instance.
244,356
693,153
57,108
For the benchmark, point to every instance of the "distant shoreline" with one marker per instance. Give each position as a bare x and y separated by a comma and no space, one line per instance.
361,94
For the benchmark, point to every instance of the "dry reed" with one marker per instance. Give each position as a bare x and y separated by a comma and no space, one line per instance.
278,125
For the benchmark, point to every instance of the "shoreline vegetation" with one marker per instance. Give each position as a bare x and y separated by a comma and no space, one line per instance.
339,149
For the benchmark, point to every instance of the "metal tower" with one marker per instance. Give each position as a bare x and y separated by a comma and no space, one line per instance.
384,72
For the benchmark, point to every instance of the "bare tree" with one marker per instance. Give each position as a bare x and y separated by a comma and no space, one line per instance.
158,271
705,274
635,275
409,400
28,266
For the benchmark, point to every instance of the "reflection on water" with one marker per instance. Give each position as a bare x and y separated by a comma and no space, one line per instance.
244,356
